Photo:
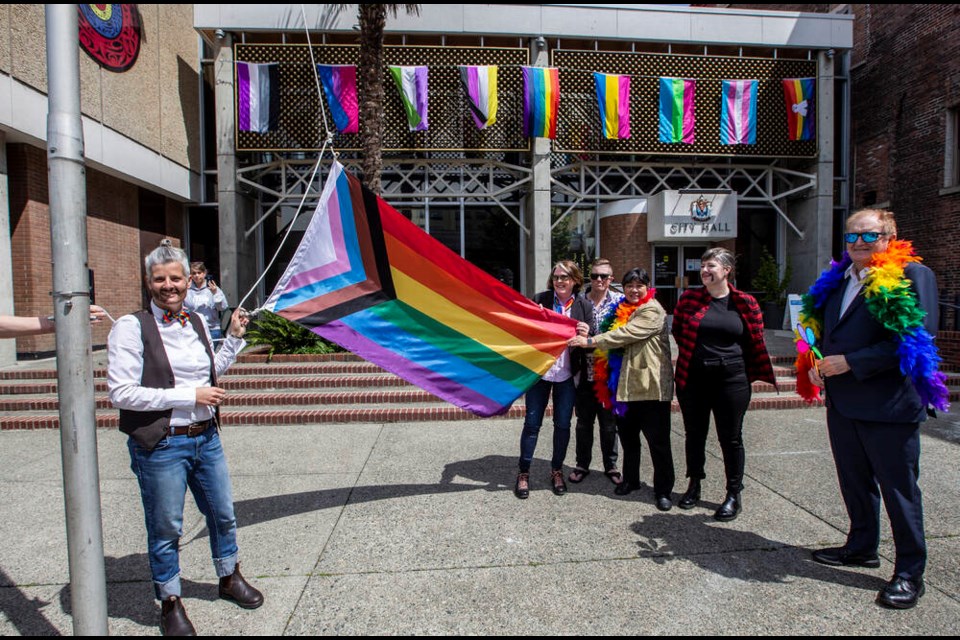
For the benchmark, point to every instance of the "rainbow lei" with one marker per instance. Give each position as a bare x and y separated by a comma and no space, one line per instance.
893,304
607,364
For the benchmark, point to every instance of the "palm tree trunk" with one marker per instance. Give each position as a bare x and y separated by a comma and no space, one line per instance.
373,20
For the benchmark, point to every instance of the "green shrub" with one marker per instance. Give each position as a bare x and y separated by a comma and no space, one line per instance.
773,288
284,336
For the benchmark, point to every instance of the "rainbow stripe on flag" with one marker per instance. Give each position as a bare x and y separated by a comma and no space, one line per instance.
738,112
613,98
480,86
677,110
412,84
541,101
370,280
798,94
258,96
340,87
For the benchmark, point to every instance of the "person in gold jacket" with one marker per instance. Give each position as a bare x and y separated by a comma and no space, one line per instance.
633,374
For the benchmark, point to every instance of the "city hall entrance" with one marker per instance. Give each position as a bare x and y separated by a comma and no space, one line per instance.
675,269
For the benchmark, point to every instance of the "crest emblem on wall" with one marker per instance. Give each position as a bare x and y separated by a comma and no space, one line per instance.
701,210
110,34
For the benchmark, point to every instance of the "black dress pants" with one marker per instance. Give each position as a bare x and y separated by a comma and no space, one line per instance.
720,387
652,418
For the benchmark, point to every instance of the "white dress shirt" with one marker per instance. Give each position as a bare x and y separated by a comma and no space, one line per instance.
188,360
854,285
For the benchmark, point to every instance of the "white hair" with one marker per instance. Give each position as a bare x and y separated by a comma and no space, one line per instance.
165,253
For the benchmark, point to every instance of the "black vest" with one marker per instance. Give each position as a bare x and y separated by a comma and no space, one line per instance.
148,428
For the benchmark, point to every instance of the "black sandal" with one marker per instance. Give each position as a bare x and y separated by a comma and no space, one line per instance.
615,476
577,475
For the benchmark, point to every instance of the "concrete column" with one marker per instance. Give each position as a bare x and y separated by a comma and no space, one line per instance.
238,257
537,219
814,216
8,348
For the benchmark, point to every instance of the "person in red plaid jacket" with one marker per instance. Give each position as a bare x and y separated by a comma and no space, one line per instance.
719,334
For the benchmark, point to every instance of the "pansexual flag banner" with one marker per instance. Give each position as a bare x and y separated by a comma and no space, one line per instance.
370,280
541,101
798,94
258,96
340,87
677,115
738,112
412,83
613,99
480,86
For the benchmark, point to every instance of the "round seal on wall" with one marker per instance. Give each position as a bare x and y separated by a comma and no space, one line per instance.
110,34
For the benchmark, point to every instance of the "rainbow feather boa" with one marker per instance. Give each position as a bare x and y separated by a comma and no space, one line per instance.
607,364
893,304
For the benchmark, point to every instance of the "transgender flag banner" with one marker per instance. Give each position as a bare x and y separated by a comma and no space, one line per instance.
738,112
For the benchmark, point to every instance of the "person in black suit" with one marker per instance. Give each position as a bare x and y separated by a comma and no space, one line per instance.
873,409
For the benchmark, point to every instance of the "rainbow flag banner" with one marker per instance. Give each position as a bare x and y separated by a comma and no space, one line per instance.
480,86
541,101
613,98
258,96
677,113
798,94
340,87
412,83
738,112
370,280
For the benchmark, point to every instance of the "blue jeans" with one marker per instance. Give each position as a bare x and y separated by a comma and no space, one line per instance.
178,462
564,397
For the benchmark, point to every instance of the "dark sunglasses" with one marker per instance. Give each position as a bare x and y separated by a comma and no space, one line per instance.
868,236
601,276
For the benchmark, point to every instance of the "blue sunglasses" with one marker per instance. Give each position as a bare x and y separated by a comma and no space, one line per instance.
868,236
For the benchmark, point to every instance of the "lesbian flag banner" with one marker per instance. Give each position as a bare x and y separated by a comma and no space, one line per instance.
412,83
370,280
738,112
798,94
480,86
258,96
541,101
340,87
613,98
677,118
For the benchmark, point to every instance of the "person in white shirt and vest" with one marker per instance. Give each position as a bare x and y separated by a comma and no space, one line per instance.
162,375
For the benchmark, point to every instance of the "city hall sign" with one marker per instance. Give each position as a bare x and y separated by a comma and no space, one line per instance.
682,216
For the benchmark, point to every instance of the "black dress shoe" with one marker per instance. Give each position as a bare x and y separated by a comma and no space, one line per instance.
664,503
235,588
842,557
901,593
730,508
174,620
522,488
692,496
624,488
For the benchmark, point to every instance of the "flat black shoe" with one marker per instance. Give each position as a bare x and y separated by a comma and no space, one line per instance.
664,503
691,497
842,557
624,488
730,508
522,488
901,593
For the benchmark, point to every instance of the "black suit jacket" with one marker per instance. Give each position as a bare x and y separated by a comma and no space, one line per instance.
582,310
874,389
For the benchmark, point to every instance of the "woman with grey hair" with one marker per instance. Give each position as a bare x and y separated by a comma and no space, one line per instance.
162,375
719,333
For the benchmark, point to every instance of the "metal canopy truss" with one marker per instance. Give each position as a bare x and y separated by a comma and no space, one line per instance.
283,181
590,181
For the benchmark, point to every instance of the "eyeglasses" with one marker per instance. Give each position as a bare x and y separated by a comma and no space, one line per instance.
601,276
563,278
868,236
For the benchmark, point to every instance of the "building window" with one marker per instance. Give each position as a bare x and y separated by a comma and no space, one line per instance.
951,161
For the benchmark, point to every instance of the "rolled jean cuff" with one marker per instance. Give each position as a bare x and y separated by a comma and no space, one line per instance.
225,566
169,588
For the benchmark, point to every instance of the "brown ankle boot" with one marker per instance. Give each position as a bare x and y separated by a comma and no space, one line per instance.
173,618
234,587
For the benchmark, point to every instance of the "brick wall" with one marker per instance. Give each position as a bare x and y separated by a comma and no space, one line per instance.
623,241
949,344
115,242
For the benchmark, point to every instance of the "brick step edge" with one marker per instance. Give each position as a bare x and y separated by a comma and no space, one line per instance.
355,415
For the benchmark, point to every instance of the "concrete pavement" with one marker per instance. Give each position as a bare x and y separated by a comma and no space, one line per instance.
414,529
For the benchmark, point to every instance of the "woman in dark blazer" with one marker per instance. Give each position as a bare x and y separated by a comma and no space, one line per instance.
719,333
563,296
